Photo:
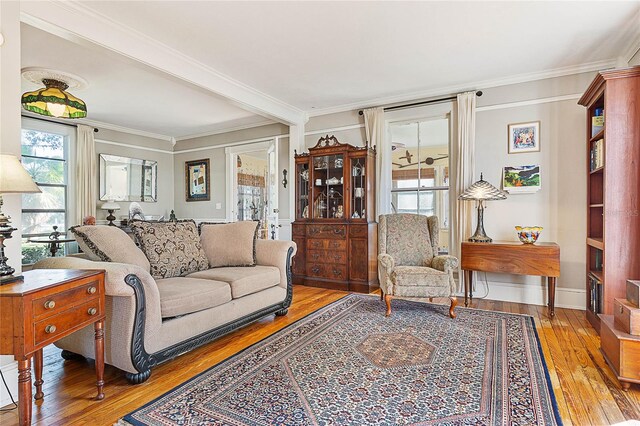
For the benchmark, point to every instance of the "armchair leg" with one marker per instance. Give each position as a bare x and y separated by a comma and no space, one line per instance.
431,299
381,294
387,299
454,303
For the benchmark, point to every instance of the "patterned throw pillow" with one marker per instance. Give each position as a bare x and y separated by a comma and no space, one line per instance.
109,244
173,248
230,244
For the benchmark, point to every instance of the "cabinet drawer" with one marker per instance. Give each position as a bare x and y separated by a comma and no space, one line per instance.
55,303
333,245
327,231
329,270
57,325
626,316
358,231
328,256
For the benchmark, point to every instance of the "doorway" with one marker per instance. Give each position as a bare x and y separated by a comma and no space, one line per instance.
252,193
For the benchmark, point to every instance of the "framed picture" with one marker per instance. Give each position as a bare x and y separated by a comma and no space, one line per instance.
524,137
521,179
197,180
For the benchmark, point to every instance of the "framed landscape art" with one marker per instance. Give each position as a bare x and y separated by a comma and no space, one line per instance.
523,137
521,179
197,180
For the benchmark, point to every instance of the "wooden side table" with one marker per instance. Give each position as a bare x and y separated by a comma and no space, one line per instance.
541,259
47,306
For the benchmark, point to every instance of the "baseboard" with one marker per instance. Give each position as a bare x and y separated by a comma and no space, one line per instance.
571,298
10,373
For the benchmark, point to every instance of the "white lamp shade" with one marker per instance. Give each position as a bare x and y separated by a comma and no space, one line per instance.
14,178
110,205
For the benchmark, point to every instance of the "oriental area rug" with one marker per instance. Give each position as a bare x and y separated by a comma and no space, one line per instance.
348,364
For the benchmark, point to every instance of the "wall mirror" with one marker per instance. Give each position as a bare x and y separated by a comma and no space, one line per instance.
128,179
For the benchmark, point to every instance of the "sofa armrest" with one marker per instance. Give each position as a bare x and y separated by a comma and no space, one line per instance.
115,274
275,253
445,263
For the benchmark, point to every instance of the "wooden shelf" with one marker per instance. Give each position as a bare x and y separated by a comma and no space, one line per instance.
612,91
597,274
596,242
598,136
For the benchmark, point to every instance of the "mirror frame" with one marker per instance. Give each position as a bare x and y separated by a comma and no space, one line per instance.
147,198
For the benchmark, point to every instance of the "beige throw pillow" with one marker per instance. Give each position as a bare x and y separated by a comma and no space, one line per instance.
109,244
173,248
230,244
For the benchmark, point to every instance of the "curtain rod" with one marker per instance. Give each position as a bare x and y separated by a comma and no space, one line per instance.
432,101
54,121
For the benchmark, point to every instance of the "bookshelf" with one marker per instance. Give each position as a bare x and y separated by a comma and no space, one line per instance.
613,188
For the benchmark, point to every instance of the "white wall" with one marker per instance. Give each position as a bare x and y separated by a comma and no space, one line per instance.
145,148
212,147
558,206
10,144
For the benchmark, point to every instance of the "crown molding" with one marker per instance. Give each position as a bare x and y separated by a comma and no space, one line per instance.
116,128
128,145
226,130
483,84
78,22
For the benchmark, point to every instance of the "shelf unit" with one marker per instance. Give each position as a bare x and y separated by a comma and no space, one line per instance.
335,228
613,189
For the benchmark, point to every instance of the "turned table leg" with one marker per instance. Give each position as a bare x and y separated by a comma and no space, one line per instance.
24,391
551,284
99,342
37,357
468,295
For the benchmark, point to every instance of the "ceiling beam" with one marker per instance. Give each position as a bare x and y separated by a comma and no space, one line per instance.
80,24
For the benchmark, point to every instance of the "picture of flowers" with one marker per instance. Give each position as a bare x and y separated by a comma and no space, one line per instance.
521,179
524,137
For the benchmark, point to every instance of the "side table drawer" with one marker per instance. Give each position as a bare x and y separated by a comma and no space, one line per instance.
76,317
55,303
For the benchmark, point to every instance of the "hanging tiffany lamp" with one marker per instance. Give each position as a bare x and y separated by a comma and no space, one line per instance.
53,100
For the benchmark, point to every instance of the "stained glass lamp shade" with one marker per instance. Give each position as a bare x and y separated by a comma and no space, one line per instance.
480,192
54,101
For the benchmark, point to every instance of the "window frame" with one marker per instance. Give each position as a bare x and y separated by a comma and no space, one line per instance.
68,135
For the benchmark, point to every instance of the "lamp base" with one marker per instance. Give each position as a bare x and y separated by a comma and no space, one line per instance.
10,279
111,218
480,236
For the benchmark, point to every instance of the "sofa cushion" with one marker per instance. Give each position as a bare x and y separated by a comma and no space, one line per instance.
182,295
243,281
230,244
173,248
109,244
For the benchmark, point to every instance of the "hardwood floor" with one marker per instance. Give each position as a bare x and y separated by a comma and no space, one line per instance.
586,389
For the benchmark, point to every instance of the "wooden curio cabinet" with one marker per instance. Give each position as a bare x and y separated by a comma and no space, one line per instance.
335,227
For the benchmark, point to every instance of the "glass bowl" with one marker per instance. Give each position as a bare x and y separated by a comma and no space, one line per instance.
528,234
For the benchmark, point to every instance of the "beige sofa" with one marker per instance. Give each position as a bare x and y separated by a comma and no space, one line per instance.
154,320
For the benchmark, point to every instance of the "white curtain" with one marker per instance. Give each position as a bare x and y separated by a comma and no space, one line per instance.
376,135
86,174
463,159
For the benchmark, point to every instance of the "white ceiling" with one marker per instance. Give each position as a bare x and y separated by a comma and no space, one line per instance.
127,93
321,56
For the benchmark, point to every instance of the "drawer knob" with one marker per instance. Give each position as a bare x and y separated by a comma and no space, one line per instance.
92,311
49,304
50,329
91,290
315,269
621,310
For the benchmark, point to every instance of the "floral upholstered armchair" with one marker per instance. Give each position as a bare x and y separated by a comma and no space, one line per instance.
408,264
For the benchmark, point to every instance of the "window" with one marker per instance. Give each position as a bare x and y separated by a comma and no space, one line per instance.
44,156
420,171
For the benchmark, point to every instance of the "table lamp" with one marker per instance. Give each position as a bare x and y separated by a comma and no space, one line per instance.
14,179
481,191
111,206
